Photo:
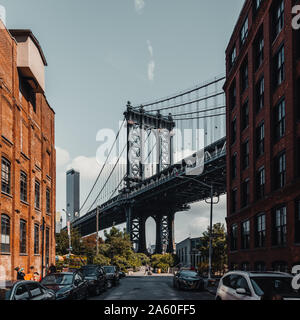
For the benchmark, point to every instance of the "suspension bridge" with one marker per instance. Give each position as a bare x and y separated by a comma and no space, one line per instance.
171,153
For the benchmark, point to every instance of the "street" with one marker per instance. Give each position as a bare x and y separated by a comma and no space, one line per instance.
156,287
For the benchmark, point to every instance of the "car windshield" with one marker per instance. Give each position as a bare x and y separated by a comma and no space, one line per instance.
89,271
189,274
271,286
109,269
58,279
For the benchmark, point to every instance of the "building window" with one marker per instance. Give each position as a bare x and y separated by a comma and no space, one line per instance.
260,266
5,234
280,171
234,166
280,120
280,266
246,235
5,176
47,247
245,266
36,239
27,92
37,195
232,95
246,193
23,235
244,76
245,154
259,50
234,200
233,131
245,115
260,183
279,226
244,31
260,140
260,232
297,222
232,57
48,201
279,67
278,17
260,92
23,186
234,237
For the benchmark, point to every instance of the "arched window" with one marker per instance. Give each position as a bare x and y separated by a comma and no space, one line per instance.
5,175
5,234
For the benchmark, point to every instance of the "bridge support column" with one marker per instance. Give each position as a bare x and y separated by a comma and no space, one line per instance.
128,211
171,239
158,246
142,248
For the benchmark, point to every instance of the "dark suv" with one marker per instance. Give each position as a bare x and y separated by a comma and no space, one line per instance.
112,274
96,279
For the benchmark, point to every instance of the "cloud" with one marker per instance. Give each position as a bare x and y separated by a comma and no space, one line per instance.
62,157
88,167
139,5
151,64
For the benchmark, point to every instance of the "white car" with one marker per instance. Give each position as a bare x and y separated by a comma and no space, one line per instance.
242,285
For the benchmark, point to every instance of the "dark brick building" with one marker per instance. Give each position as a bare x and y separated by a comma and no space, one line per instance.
263,138
27,155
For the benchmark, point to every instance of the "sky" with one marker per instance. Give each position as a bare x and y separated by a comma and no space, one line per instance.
103,53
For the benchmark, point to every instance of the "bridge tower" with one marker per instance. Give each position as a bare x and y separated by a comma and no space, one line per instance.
140,125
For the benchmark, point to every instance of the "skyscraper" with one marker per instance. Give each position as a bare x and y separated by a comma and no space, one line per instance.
73,189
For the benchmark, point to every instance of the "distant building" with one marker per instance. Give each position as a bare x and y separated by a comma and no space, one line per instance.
73,193
188,253
58,223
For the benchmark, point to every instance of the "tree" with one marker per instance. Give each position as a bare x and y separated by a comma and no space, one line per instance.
102,260
219,246
62,243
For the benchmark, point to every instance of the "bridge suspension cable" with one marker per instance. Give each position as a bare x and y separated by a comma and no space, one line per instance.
107,180
103,167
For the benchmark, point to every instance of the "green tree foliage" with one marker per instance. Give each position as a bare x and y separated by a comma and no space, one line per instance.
219,245
163,261
102,260
145,260
62,243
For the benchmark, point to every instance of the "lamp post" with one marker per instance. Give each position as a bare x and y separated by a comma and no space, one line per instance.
211,218
69,224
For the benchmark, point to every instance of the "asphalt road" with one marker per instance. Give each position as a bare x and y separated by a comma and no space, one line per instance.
150,288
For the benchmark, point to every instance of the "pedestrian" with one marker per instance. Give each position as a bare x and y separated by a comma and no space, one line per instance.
52,269
36,277
20,273
29,276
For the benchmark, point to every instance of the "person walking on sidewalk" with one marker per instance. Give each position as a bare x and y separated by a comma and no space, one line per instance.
20,273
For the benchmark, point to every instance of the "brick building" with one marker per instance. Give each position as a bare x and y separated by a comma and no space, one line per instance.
263,138
27,156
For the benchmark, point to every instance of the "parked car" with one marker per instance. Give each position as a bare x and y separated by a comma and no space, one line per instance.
25,290
188,280
67,285
96,279
112,275
241,285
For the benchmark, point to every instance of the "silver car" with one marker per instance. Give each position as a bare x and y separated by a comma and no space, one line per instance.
242,285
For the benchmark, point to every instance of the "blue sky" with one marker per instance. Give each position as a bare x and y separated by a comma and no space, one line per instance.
102,53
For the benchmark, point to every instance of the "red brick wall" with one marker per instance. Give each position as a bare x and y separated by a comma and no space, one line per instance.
27,141
291,252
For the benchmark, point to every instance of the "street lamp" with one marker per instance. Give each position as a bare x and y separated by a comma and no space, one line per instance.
211,218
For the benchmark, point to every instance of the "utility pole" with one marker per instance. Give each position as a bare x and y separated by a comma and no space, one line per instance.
97,230
210,232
